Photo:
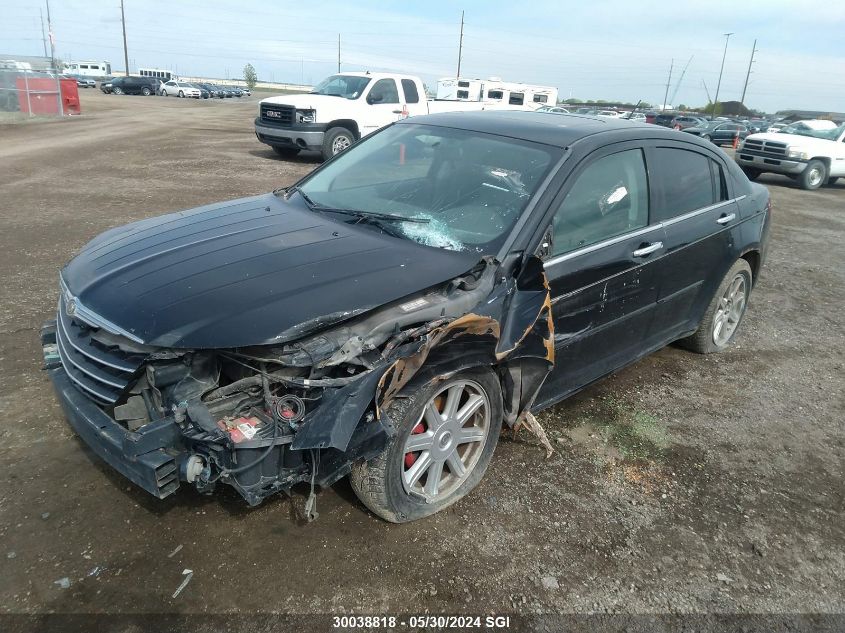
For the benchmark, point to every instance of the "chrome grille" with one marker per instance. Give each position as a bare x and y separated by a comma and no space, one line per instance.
771,149
280,115
99,371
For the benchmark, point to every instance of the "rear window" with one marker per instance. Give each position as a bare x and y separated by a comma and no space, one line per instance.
411,93
686,180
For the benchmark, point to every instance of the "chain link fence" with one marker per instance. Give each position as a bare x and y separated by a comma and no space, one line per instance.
25,94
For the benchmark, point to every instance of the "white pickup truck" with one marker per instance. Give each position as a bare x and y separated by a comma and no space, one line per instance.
345,107
811,156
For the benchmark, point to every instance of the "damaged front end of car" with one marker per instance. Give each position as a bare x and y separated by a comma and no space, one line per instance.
304,408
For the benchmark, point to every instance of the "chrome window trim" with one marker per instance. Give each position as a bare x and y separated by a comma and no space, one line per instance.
625,236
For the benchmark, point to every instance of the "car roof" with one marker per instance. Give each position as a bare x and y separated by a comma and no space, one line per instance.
561,130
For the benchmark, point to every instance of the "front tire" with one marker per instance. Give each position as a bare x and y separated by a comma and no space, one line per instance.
335,141
117,91
446,432
164,93
706,137
181,95
724,314
813,176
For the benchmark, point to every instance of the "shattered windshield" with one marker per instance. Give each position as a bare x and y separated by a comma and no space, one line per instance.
346,86
459,190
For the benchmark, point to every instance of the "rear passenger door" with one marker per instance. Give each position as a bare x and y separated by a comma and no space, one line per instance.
693,201
600,268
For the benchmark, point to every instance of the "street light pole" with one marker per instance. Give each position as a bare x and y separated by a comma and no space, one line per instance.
721,70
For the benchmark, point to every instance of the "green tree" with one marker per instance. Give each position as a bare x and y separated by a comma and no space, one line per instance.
250,76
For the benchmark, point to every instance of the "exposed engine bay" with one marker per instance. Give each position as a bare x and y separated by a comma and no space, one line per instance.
263,419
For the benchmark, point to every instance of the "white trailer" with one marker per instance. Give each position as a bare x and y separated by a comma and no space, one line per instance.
494,90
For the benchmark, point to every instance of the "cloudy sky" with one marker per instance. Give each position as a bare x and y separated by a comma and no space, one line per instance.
589,49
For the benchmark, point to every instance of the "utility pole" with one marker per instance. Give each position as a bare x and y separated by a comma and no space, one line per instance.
721,70
43,36
668,81
125,49
747,75
338,52
460,46
680,80
52,37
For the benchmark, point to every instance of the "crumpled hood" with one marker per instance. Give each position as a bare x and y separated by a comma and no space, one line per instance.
254,271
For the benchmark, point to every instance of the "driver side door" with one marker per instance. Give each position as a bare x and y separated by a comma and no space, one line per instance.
601,269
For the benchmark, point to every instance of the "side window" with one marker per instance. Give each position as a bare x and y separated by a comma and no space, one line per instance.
494,94
541,98
386,88
609,198
516,98
463,94
686,181
412,95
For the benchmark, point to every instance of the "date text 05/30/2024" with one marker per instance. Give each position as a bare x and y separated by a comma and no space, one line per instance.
421,621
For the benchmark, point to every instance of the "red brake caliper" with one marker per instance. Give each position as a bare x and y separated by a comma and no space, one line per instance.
410,458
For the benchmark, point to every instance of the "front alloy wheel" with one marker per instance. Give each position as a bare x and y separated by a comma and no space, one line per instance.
730,310
446,432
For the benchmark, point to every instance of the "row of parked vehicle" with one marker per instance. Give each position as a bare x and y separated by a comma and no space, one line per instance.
146,86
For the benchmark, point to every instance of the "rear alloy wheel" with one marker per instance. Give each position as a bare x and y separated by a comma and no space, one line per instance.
813,175
446,434
725,312
117,90
146,91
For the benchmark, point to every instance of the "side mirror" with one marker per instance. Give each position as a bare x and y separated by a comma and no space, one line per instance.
374,98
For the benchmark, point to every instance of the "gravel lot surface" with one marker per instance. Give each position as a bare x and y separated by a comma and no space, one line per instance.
683,484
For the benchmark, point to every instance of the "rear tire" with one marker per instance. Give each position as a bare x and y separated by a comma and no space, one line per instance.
146,91
727,307
285,152
813,176
706,137
336,140
386,484
751,173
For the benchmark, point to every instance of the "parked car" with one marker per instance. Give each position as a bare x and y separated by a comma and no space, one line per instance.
212,90
634,116
756,127
684,121
719,132
83,82
552,109
812,157
174,88
663,119
204,94
505,280
236,91
777,127
145,86
246,92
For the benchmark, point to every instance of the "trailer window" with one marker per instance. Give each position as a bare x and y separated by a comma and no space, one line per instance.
463,84
494,94
463,94
541,98
516,98
410,89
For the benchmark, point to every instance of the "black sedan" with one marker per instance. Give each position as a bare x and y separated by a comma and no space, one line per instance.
389,313
719,132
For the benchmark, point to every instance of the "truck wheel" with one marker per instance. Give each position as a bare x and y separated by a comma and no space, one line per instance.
285,152
446,432
813,176
336,140
751,173
725,312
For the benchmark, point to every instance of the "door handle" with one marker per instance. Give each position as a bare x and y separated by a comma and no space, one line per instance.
727,218
647,250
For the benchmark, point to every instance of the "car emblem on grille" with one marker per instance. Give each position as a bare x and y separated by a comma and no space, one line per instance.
273,114
70,307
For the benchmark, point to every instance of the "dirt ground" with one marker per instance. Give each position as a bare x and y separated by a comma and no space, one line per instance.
684,484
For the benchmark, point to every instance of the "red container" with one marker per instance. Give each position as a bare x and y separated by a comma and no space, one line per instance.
38,95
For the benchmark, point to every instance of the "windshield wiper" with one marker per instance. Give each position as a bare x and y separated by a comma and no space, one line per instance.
287,192
370,215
